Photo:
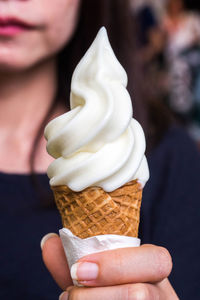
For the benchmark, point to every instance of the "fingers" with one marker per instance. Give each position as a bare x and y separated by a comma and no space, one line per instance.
139,291
167,291
55,261
147,263
144,264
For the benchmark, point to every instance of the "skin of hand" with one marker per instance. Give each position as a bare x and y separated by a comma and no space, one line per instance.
122,274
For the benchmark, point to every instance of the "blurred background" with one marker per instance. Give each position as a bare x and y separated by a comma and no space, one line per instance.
169,48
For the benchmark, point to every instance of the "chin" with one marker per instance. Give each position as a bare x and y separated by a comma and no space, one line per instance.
11,67
14,63
19,61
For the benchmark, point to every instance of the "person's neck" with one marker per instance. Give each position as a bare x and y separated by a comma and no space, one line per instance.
25,98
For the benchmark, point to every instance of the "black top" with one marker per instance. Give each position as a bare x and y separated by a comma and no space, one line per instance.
170,218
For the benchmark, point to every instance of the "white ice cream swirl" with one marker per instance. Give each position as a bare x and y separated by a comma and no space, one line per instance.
97,143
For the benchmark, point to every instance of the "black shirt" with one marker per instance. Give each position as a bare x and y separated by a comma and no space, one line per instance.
170,217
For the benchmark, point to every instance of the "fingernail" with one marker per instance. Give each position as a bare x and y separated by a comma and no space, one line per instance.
45,238
64,296
84,271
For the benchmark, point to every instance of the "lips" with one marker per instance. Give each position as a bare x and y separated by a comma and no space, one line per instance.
11,26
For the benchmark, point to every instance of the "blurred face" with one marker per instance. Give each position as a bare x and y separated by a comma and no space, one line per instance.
32,30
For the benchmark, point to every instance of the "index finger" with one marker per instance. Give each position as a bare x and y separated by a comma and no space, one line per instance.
147,263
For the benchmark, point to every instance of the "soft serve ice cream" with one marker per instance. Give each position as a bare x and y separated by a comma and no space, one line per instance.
97,143
100,167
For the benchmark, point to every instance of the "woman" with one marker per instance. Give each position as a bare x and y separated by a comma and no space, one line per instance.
40,44
181,25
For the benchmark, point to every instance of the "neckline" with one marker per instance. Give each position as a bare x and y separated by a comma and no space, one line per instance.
9,174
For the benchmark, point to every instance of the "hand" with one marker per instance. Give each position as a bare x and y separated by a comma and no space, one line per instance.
122,274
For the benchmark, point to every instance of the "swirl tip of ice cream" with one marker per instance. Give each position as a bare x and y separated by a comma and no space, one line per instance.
97,143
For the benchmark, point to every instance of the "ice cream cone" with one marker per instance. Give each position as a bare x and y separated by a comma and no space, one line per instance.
94,212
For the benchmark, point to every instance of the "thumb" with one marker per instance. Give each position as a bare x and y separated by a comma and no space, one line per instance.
55,260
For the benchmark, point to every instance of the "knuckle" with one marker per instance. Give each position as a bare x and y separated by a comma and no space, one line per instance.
118,262
75,294
164,262
137,292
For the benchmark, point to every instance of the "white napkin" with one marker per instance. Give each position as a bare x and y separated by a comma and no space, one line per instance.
75,248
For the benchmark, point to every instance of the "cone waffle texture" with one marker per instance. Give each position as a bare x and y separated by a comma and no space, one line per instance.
94,212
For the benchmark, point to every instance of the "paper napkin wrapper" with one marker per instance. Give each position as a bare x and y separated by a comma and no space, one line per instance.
75,248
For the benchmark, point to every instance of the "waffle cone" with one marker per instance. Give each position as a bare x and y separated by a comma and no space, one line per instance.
94,212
